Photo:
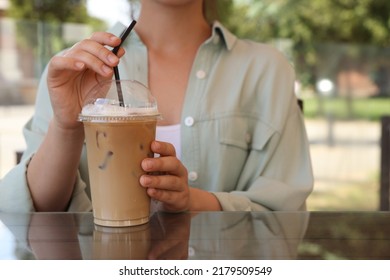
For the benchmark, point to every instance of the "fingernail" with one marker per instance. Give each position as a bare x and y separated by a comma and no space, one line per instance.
156,145
147,164
146,180
113,38
151,191
112,58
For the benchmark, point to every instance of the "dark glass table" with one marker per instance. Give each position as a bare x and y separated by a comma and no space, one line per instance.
197,236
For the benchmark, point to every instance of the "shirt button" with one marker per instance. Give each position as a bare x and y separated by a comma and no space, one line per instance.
189,121
201,74
192,176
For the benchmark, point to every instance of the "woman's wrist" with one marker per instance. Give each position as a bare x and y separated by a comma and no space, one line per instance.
201,200
75,132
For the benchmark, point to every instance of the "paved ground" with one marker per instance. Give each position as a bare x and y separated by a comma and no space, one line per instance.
353,159
354,155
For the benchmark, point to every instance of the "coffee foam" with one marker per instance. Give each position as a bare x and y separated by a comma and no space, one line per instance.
109,107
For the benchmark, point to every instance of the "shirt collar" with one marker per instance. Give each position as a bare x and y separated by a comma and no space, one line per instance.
218,31
228,38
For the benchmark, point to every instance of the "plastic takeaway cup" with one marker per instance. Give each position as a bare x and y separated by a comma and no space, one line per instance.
118,137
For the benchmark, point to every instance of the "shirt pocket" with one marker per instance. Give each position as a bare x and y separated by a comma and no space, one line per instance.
244,133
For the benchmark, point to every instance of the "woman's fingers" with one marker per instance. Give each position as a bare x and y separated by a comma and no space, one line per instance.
105,38
166,178
165,196
171,201
163,148
169,182
60,63
96,57
93,54
95,49
167,164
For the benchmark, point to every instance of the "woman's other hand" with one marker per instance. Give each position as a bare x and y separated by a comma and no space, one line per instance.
167,183
170,186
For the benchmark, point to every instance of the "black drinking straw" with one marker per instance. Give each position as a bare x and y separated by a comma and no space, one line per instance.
116,71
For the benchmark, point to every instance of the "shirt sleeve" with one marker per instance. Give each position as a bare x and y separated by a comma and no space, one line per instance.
14,191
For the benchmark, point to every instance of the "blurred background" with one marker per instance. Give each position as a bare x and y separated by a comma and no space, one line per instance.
339,48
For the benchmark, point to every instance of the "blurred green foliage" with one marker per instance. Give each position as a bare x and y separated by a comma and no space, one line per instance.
49,10
321,38
53,11
307,25
307,21
339,108
40,25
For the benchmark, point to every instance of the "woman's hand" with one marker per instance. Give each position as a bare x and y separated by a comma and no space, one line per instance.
73,73
170,187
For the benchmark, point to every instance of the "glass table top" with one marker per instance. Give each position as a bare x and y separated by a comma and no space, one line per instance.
203,235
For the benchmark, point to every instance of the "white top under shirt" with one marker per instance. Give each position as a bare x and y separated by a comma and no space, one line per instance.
170,134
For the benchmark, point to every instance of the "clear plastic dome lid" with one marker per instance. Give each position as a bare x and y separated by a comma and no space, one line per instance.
119,99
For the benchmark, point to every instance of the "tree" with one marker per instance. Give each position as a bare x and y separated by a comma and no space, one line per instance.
304,21
310,25
40,26
49,10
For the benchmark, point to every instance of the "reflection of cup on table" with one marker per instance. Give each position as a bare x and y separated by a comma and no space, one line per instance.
127,243
118,138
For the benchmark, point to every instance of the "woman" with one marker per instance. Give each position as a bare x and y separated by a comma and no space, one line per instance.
241,142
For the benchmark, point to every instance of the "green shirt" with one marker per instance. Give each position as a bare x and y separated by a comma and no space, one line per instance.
242,132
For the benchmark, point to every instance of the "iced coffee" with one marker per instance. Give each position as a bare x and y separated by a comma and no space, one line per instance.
118,137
